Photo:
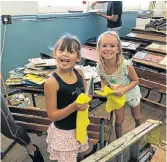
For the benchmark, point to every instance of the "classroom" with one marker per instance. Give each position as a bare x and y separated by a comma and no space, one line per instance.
83,81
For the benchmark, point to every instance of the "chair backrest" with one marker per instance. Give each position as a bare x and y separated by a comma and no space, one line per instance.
35,120
32,119
98,130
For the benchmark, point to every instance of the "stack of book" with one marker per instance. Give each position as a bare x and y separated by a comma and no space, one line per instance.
157,47
130,45
34,80
43,62
142,55
32,74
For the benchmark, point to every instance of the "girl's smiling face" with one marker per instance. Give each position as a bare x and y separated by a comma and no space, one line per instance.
108,47
66,54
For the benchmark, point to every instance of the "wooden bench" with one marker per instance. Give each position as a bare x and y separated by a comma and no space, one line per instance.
153,85
150,85
35,120
151,75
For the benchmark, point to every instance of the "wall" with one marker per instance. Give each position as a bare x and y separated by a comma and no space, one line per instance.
19,7
26,37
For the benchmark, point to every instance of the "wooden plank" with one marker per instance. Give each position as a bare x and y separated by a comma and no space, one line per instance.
159,156
151,84
143,30
150,75
96,120
32,126
42,113
29,111
96,135
145,101
151,64
154,50
93,141
154,104
96,128
162,91
31,119
148,36
34,90
116,147
89,54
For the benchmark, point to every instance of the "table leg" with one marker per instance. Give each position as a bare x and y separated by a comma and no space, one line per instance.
33,100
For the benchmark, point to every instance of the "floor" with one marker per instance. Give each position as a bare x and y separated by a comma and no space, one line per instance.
19,154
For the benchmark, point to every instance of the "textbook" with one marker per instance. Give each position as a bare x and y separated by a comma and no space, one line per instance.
34,78
153,58
140,55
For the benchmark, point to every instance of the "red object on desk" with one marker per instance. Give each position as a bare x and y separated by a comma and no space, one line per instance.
153,58
89,54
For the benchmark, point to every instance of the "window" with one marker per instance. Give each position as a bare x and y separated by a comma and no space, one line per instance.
49,6
135,5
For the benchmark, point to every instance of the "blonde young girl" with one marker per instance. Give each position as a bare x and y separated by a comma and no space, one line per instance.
61,91
115,70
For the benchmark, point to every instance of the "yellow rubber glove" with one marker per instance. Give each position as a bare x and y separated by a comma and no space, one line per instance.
82,119
113,101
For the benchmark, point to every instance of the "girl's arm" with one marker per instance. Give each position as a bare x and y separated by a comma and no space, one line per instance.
112,18
133,82
133,78
54,114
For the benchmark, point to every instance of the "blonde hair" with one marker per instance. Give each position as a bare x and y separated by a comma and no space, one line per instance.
119,56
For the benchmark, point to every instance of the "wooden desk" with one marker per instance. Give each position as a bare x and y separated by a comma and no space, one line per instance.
153,50
151,64
32,90
89,53
150,75
147,36
143,30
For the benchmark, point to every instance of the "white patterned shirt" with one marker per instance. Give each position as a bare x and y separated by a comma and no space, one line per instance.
120,77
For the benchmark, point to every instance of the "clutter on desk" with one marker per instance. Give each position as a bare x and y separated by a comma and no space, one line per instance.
14,81
157,47
39,80
39,73
36,72
17,72
144,14
153,58
130,45
43,62
131,34
89,71
140,55
33,67
33,73
147,56
20,98
156,24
